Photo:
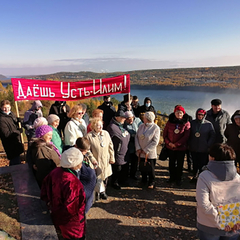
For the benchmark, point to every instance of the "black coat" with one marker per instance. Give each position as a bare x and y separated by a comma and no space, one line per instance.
57,109
10,135
108,113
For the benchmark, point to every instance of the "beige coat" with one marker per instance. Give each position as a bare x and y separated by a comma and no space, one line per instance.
104,155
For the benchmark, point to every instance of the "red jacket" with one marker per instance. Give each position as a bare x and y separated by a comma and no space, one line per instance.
179,139
65,196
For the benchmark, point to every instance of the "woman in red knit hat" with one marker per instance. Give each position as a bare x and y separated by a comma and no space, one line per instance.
176,134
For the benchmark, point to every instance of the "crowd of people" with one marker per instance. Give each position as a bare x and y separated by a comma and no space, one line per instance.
75,157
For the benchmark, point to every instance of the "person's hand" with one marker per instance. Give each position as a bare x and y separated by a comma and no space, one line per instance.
64,108
20,130
139,151
227,228
143,153
236,227
172,145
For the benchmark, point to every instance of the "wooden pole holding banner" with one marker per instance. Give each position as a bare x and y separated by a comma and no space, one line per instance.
20,126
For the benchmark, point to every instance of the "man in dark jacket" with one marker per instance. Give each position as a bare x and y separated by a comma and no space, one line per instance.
10,134
108,110
219,119
135,106
120,138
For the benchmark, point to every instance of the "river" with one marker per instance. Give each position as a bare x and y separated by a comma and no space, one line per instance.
165,100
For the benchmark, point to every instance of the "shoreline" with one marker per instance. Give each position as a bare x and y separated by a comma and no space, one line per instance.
184,88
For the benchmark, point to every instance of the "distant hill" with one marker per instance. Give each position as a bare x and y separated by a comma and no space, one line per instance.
2,77
212,78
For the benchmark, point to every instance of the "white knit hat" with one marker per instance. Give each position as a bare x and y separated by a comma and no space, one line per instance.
71,158
150,116
52,118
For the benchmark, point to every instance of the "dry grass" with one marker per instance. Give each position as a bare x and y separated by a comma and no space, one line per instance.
9,215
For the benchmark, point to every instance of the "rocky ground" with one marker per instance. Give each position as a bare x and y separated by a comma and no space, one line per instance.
167,212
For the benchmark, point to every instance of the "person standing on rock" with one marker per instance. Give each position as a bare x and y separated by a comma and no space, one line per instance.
219,119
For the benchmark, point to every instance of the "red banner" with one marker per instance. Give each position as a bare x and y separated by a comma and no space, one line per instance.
28,89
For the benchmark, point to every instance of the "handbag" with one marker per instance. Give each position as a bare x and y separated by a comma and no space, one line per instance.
164,153
229,214
144,166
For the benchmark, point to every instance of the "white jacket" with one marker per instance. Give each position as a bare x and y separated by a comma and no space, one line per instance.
219,185
149,143
73,130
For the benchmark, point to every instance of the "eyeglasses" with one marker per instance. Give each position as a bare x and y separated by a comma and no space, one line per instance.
199,114
80,113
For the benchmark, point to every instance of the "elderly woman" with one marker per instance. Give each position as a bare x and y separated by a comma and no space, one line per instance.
232,133
146,141
101,147
53,121
44,156
64,195
218,196
96,113
176,134
39,122
76,127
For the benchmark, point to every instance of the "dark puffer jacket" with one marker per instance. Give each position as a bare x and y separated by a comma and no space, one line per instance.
206,138
179,139
232,134
10,135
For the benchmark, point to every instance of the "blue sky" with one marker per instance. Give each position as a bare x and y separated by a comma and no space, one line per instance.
40,37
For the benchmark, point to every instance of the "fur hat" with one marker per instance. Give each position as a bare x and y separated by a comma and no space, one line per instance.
39,122
42,130
150,116
52,118
71,158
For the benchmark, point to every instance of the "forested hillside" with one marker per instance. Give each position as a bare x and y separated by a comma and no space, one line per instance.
212,77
